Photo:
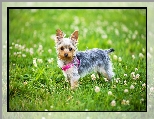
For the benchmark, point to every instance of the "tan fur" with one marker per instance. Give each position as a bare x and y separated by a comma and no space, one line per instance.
61,54
74,35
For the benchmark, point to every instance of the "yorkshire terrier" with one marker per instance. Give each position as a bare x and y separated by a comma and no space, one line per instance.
76,64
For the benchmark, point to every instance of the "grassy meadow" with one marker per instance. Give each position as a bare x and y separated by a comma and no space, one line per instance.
36,83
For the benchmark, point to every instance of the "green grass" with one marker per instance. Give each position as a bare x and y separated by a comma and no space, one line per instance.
44,87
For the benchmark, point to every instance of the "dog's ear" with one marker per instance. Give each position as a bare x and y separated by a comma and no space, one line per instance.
74,35
59,35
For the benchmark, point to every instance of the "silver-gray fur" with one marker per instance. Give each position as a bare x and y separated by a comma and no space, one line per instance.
95,60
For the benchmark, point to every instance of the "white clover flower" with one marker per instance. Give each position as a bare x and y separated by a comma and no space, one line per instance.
143,85
143,50
115,57
137,76
119,59
109,93
34,59
142,99
34,45
50,60
125,84
40,47
123,102
104,36
127,102
23,55
106,80
134,36
12,43
19,47
34,62
134,78
125,81
31,51
27,50
132,87
117,32
97,89
126,91
141,55
136,69
49,50
113,103
133,75
15,53
93,76
117,81
133,56
40,60
125,75
22,47
136,32
18,53
16,46
124,28
45,110
25,83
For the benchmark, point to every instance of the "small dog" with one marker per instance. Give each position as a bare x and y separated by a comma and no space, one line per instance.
76,64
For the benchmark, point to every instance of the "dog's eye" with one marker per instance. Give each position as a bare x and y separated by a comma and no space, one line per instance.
62,48
70,49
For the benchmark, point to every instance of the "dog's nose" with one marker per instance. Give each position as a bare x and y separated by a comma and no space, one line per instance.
65,54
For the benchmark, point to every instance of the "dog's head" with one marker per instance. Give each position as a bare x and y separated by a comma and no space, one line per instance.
66,47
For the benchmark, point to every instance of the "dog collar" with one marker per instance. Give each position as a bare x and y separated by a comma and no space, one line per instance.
76,62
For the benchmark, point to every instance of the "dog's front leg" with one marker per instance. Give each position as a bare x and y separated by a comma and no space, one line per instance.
74,80
74,84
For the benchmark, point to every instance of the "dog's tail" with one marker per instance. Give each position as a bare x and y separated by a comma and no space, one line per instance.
110,50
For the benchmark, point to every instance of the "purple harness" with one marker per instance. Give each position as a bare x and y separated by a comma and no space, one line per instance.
76,62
